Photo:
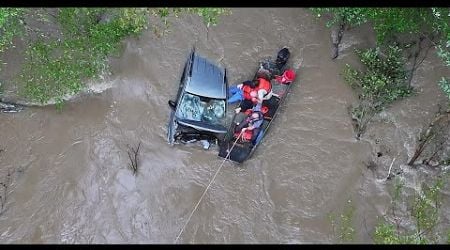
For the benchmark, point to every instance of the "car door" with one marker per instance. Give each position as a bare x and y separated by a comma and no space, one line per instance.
184,77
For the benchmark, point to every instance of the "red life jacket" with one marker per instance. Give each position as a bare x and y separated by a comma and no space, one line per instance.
246,91
264,84
246,136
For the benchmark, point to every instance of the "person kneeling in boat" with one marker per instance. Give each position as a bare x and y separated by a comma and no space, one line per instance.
262,91
251,125
241,92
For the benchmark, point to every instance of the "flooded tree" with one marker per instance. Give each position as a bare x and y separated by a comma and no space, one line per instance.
423,210
382,82
414,30
133,154
434,141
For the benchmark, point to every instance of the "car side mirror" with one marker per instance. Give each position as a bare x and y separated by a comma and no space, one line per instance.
172,104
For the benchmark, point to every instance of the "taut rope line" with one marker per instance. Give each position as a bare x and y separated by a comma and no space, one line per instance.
206,189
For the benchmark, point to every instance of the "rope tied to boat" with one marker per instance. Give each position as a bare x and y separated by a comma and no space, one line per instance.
209,185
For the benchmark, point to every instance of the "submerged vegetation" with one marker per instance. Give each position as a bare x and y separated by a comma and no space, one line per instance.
423,211
404,36
59,62
342,226
407,28
422,208
9,25
133,156
382,82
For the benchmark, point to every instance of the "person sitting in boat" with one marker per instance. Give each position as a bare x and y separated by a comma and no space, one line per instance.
269,68
242,91
249,101
251,125
264,90
286,78
282,58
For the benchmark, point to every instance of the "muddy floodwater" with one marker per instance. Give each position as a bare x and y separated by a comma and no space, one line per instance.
69,175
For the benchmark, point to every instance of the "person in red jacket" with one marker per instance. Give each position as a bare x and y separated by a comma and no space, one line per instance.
241,91
264,89
251,125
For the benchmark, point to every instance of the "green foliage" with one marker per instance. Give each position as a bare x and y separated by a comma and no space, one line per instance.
10,26
210,15
425,214
388,22
346,231
426,207
383,81
445,87
386,233
352,16
444,53
56,68
398,186
133,20
441,23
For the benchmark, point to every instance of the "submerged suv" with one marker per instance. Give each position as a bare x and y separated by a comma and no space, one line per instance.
199,112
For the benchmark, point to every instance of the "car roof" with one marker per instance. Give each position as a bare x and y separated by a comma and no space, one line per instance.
207,79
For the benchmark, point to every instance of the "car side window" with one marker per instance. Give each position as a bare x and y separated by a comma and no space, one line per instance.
183,79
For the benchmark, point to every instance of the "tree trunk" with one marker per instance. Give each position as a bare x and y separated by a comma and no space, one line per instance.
428,135
336,37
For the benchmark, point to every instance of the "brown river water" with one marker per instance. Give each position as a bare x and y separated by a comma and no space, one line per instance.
70,181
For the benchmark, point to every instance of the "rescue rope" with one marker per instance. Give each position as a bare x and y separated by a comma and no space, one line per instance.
207,187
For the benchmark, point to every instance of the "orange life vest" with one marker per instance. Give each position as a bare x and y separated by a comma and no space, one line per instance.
264,84
246,91
246,136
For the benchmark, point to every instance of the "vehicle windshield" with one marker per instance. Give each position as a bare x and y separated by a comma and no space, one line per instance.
202,109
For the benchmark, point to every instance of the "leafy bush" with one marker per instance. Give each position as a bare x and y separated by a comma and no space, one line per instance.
55,68
445,86
382,82
351,16
9,26
389,22
58,68
424,212
343,226
384,79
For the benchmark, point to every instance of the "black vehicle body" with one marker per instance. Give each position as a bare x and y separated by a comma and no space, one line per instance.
199,111
238,150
